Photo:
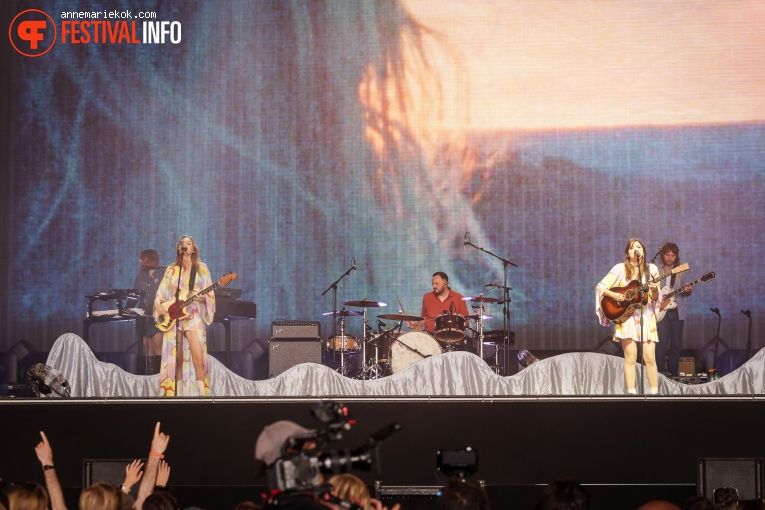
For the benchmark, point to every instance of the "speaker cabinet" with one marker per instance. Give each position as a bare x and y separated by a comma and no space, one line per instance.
285,353
743,474
104,471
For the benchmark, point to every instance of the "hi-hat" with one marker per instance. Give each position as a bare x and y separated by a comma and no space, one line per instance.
343,313
400,317
482,298
365,303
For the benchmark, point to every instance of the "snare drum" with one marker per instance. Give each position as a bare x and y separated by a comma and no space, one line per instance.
410,348
450,327
342,343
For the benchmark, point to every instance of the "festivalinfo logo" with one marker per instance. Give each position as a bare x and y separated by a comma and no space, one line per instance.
33,32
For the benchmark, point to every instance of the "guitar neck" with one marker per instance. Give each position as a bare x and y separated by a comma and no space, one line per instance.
200,293
678,269
678,291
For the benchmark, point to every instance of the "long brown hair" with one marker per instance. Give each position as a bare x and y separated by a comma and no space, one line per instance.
628,267
194,252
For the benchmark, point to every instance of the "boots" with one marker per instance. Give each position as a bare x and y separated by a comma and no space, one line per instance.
201,388
152,364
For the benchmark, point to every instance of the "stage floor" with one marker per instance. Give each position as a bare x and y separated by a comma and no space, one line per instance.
566,416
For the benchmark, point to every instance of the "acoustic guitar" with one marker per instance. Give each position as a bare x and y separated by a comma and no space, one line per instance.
668,299
172,311
618,312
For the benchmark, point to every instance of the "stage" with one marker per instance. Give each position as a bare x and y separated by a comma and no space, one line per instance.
528,429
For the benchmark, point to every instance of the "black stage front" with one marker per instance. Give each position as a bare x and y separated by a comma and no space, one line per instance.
650,442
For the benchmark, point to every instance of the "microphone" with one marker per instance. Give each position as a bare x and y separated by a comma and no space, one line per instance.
637,254
465,240
715,311
747,313
451,307
353,261
184,248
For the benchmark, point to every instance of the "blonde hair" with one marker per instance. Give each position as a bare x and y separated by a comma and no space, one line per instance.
350,488
100,496
27,496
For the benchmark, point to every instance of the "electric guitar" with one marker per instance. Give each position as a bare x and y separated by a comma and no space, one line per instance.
618,311
667,292
172,311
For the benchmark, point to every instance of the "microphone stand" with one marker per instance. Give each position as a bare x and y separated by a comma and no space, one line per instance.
333,286
641,293
749,335
505,300
717,338
178,338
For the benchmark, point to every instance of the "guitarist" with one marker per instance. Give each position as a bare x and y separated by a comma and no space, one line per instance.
184,369
628,331
671,326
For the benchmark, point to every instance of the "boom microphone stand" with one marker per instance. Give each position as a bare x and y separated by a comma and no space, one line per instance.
716,311
749,336
505,299
333,286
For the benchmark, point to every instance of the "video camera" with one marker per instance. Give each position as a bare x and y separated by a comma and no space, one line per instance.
304,457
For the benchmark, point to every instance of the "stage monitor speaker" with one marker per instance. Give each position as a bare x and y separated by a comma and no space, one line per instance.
104,471
745,474
295,329
285,353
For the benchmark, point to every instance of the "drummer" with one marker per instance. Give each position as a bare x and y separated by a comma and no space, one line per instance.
441,300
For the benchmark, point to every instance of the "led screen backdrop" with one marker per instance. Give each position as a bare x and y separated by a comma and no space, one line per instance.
289,137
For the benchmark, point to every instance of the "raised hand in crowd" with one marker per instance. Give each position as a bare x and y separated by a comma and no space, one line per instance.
44,454
163,474
158,446
133,475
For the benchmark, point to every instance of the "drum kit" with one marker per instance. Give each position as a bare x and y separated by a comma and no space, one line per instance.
391,350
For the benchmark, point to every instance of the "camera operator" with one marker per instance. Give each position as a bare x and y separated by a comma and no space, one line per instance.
268,449
296,459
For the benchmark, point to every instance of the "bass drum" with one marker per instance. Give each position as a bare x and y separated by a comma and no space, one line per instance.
410,348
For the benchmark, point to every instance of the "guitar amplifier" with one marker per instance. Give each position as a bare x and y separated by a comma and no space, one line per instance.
295,329
285,353
687,365
293,343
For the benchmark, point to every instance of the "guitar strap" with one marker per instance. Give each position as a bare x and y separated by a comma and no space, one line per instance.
192,278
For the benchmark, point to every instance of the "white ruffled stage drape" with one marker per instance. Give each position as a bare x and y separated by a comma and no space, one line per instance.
448,375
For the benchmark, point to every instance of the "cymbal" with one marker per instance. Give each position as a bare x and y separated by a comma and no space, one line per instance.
365,303
343,313
400,317
476,317
483,299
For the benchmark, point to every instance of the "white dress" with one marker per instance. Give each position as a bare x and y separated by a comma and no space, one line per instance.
630,328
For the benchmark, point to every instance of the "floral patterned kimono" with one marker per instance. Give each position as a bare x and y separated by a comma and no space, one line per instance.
198,315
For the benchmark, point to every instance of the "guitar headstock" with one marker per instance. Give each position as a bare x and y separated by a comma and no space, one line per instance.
680,268
708,277
227,278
